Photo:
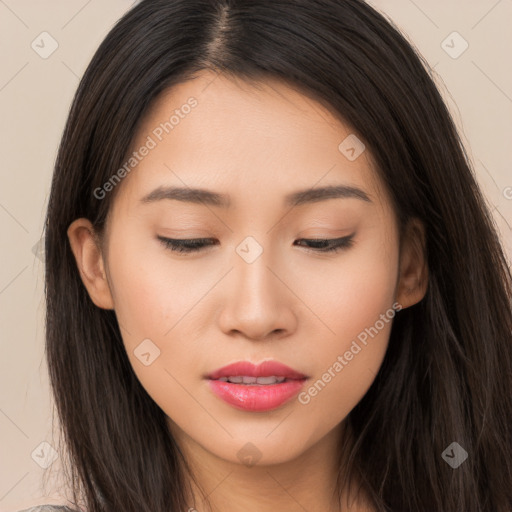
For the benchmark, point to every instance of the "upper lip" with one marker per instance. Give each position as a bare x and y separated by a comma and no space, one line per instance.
264,369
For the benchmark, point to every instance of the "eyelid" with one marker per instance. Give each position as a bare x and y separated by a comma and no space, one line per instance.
196,245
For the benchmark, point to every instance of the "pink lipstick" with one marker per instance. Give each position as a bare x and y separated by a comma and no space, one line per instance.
256,388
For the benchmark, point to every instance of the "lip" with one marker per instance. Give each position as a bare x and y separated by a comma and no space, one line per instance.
256,398
264,369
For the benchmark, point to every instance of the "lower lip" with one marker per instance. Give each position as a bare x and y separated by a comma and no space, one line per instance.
256,397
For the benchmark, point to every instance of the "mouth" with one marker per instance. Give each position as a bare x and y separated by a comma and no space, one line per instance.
256,388
254,381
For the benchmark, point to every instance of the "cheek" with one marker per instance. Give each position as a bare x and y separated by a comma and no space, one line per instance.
151,304
344,298
150,293
348,293
355,306
154,300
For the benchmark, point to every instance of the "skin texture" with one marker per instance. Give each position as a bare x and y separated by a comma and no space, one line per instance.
292,304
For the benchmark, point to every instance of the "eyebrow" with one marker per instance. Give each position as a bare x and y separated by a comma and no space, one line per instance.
297,198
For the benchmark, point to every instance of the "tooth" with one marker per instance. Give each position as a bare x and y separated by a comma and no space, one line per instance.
262,381
266,380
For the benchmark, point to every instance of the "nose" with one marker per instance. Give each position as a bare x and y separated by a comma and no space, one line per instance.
257,303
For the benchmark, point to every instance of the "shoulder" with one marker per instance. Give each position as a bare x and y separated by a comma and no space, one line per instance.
48,508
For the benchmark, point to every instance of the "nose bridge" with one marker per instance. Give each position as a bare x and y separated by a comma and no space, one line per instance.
257,302
252,274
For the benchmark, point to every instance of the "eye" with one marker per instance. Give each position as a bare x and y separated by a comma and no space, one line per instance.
196,244
186,245
329,245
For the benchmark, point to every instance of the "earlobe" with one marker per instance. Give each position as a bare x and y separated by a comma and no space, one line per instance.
90,263
413,271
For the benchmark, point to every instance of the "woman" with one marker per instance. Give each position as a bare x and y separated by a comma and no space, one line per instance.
272,281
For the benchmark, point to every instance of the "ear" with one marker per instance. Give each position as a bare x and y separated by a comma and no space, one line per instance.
413,271
86,248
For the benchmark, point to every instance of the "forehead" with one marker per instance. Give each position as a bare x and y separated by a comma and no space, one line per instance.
245,139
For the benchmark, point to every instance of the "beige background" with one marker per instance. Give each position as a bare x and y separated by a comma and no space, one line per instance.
35,95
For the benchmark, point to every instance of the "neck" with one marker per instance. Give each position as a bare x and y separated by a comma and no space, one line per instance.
307,482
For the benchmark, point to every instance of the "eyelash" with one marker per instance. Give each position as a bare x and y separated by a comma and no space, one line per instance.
196,244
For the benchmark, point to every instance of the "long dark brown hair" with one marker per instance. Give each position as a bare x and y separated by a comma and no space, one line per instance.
447,374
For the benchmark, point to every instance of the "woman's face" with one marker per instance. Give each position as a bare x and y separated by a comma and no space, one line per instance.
259,291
